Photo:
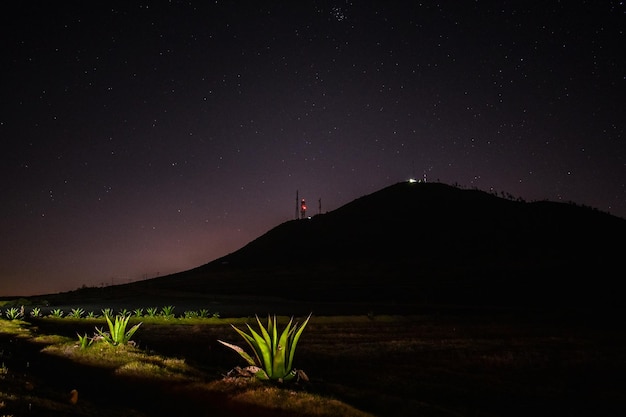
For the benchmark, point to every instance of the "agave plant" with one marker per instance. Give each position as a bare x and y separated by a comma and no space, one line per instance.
273,354
167,312
117,334
84,341
76,313
14,313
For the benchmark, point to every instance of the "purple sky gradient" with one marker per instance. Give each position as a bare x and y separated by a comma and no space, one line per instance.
142,139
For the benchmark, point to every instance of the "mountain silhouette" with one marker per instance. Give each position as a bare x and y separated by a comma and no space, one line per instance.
424,244
427,243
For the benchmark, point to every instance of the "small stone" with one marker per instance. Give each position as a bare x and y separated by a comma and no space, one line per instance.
73,397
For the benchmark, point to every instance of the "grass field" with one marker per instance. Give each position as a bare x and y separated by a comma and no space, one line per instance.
445,364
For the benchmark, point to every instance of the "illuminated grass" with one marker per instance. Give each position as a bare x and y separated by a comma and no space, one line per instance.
255,393
125,360
15,327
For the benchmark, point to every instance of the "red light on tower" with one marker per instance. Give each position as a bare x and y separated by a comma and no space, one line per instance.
302,209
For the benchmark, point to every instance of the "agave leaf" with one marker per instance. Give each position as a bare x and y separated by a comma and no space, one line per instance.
280,353
251,342
261,374
241,352
264,349
117,333
272,328
131,332
111,336
120,324
266,336
105,335
290,375
111,327
296,337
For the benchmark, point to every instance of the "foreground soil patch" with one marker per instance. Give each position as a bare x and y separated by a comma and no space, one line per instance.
435,365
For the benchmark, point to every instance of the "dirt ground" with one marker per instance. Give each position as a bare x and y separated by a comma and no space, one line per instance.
420,365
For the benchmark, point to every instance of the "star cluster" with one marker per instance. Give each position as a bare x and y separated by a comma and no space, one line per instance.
142,139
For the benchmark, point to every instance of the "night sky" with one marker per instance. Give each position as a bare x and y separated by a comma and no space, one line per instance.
146,138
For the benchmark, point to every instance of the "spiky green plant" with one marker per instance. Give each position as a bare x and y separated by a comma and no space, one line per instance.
76,313
84,341
117,334
107,312
203,313
35,312
151,311
138,312
273,354
14,313
167,312
190,314
56,313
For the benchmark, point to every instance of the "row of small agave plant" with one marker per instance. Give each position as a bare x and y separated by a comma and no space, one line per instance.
166,312
273,351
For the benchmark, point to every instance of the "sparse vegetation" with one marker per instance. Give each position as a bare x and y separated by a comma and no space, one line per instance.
389,365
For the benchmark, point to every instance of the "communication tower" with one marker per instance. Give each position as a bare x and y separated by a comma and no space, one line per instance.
297,201
302,209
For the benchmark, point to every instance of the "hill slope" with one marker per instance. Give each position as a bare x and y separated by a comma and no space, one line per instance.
423,244
426,243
